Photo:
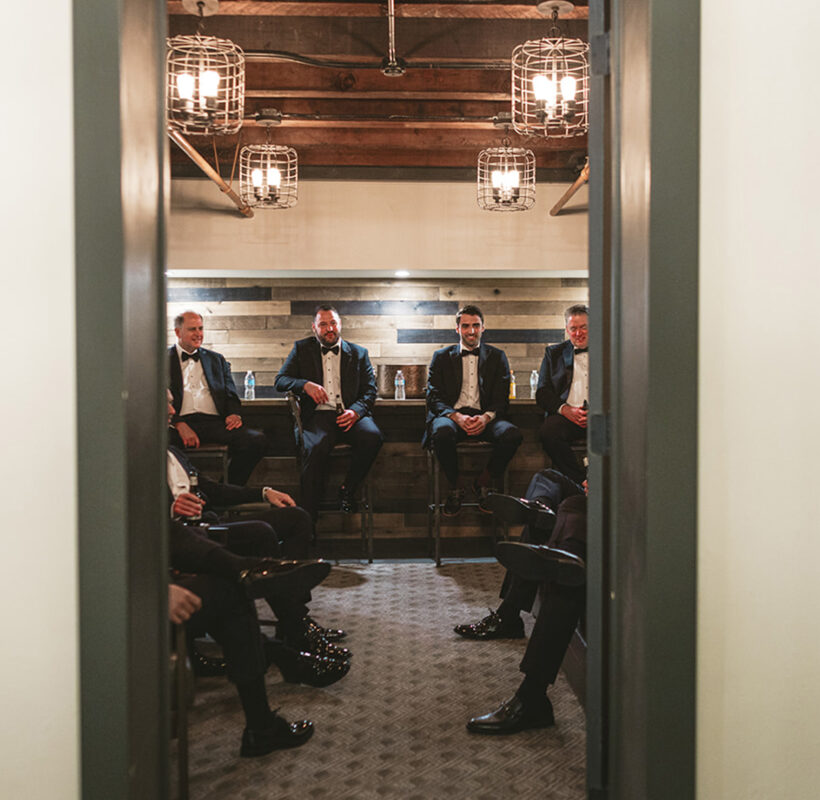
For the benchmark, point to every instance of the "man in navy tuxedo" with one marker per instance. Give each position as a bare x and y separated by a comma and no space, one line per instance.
563,393
468,389
336,387
206,404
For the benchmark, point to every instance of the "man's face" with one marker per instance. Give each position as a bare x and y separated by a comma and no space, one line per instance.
469,329
578,330
327,327
191,334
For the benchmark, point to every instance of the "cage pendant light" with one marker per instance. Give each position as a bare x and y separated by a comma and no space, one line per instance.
204,79
268,173
550,82
506,178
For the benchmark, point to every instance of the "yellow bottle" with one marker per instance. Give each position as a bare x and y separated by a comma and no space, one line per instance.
512,385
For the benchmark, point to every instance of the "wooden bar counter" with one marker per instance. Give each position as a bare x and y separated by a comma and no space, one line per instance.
398,478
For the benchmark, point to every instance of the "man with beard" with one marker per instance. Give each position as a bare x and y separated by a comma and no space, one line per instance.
335,384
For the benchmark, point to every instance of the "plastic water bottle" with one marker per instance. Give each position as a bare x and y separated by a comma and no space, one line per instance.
533,383
399,382
250,385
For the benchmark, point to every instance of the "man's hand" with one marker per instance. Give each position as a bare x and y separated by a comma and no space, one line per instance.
186,433
233,421
316,392
472,426
182,604
347,419
187,505
279,499
574,414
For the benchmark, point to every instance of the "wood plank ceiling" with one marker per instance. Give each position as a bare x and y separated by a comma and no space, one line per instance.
320,64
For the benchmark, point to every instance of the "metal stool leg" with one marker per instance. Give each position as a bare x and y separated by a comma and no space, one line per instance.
437,510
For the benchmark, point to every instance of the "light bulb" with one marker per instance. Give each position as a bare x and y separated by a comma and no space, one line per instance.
497,178
256,178
511,179
545,89
208,83
185,86
274,177
568,87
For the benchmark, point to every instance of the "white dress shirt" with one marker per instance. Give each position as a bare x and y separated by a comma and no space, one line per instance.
579,388
332,378
196,394
470,396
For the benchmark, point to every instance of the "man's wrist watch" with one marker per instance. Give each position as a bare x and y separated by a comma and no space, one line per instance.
265,491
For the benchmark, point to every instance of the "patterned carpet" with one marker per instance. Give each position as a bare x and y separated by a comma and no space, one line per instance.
394,726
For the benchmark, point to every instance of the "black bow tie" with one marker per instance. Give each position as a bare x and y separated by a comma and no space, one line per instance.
469,353
581,350
186,356
334,350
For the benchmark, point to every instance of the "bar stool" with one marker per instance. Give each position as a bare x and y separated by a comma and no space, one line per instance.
434,501
328,506
210,453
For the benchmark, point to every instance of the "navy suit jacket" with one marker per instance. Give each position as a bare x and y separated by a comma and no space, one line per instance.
218,375
445,377
216,495
555,376
304,363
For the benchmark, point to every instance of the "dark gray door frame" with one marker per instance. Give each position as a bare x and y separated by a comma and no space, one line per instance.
119,230
644,294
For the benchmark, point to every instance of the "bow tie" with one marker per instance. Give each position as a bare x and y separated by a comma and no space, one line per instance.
469,353
581,350
334,350
186,356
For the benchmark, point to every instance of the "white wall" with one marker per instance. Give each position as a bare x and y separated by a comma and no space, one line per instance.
759,530
38,670
368,227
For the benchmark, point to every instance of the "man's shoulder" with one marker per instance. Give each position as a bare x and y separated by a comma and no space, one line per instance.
358,349
492,350
205,353
444,351
558,348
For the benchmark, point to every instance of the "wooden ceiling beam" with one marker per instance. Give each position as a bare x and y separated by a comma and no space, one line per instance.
261,8
292,75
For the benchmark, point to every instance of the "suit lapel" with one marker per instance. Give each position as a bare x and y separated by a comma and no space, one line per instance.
569,358
175,374
208,369
482,361
315,368
458,372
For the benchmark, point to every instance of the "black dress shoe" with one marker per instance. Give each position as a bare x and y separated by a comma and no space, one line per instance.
315,642
520,511
538,562
313,670
492,626
331,634
279,735
452,503
347,501
207,666
482,496
513,716
273,578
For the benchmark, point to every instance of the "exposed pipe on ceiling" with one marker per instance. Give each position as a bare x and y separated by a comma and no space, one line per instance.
262,56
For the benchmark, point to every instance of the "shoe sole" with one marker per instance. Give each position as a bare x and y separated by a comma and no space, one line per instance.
247,752
509,509
548,565
295,581
499,731
318,682
518,634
